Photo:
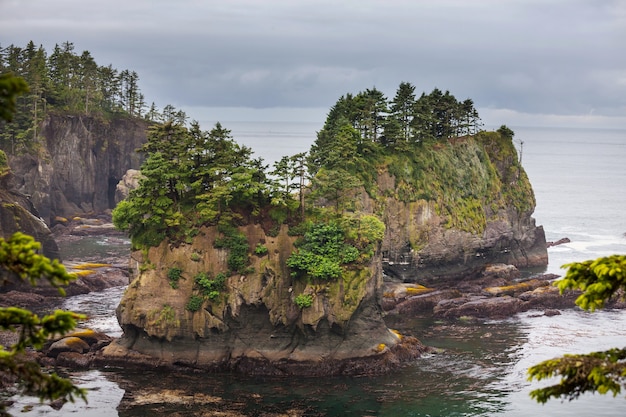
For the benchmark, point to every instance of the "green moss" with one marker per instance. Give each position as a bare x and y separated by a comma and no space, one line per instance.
173,275
211,287
469,180
354,283
163,318
260,250
4,164
195,303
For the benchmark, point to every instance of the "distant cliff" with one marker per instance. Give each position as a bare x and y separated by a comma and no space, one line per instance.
79,163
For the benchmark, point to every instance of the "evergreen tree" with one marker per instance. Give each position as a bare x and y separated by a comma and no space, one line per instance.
67,82
403,109
109,83
371,110
601,372
191,177
20,258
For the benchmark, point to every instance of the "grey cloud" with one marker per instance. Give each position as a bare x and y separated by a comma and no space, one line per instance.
548,56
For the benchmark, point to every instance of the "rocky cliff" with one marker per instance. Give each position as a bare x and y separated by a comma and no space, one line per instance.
17,213
79,164
254,325
469,205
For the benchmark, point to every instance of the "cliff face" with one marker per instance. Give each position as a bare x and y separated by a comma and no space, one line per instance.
79,165
454,255
255,318
17,213
478,211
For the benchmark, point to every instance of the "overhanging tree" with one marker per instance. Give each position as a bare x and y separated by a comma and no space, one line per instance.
601,372
19,258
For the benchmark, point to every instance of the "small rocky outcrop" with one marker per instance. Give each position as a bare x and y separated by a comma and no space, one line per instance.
498,294
561,241
255,325
129,182
76,349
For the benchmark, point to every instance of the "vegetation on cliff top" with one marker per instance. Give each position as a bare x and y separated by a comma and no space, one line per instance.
69,82
432,147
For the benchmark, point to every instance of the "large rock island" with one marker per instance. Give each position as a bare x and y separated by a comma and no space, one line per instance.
239,269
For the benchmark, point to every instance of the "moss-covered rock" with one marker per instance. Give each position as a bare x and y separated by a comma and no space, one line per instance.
255,314
456,207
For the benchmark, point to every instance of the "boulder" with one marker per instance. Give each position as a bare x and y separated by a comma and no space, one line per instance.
424,303
129,182
504,271
89,336
73,360
67,344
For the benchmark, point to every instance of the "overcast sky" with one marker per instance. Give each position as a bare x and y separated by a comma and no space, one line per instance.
521,61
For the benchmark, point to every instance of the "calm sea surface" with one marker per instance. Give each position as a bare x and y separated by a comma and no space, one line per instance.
579,178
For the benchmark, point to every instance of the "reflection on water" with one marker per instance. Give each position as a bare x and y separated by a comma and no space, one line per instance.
103,397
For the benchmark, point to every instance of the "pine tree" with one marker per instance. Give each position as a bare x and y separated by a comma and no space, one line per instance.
403,109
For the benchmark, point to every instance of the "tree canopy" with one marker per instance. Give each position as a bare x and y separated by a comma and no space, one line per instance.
366,124
190,178
601,372
66,81
193,177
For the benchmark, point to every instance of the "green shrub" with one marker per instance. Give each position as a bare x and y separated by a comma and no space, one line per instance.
194,303
321,252
260,250
299,229
274,231
304,300
4,163
173,275
195,256
211,287
237,244
212,295
279,214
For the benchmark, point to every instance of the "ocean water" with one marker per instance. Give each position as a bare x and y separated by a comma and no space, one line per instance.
579,179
